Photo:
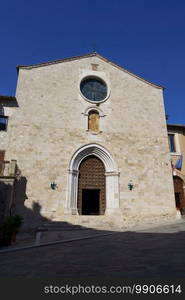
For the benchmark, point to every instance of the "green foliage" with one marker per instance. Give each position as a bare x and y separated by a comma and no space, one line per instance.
13,223
10,227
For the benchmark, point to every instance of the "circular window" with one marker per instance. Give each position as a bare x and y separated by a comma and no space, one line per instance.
93,89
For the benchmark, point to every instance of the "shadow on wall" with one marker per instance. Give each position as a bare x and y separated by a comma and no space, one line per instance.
6,193
3,203
38,229
43,229
32,216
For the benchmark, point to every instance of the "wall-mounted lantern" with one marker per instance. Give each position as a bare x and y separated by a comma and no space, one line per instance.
53,185
130,185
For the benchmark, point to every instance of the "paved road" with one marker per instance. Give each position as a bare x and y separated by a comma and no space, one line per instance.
155,253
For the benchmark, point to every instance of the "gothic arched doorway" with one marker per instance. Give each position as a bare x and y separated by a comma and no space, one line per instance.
91,187
111,178
179,194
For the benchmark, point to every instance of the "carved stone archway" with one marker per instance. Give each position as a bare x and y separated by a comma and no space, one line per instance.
111,177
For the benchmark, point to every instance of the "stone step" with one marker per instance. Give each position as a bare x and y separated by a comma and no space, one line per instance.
76,222
59,226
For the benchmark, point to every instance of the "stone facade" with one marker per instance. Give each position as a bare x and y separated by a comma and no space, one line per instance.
48,136
8,169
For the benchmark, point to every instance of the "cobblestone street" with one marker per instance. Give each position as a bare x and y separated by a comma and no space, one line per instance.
149,253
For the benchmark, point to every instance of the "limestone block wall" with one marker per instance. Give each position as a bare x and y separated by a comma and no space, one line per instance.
50,124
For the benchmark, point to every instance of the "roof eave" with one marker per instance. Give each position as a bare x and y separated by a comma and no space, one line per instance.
85,56
177,126
11,98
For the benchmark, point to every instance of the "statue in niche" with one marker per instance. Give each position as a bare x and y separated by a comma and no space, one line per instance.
93,121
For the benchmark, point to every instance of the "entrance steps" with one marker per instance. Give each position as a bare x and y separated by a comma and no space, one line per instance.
75,227
100,222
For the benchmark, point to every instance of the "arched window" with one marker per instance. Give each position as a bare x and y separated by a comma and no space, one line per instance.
93,121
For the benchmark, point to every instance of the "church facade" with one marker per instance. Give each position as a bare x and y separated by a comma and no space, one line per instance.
90,142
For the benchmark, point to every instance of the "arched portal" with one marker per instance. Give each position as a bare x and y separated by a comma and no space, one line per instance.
179,194
84,155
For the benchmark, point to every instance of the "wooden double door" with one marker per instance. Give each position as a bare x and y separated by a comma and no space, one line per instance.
91,187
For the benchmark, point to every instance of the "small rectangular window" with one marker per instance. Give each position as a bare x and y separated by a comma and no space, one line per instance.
171,140
3,123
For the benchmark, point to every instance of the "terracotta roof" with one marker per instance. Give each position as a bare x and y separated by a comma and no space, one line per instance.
3,97
81,57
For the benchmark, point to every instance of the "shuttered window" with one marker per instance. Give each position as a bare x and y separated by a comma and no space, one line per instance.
2,155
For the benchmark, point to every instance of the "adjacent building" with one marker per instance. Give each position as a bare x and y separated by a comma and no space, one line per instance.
176,136
8,171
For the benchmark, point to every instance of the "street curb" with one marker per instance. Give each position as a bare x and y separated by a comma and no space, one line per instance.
54,243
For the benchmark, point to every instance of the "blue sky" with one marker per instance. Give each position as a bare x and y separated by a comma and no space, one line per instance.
147,37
